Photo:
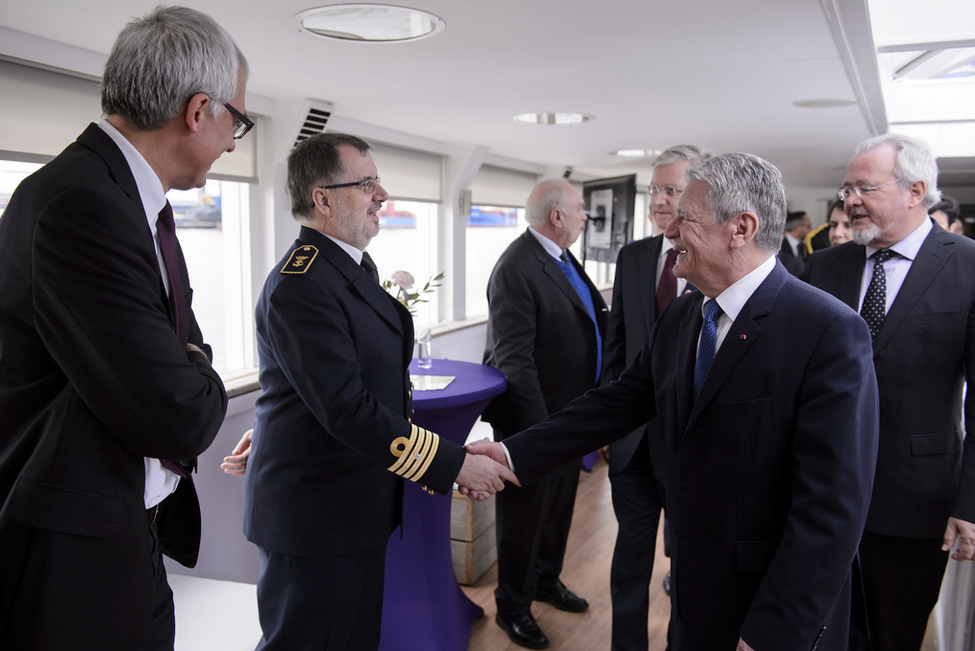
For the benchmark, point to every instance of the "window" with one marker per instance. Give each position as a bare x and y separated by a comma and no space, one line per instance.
214,232
407,241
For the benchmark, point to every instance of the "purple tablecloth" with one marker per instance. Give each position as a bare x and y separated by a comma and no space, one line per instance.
423,607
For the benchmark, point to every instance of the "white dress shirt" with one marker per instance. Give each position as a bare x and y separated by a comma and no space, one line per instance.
896,268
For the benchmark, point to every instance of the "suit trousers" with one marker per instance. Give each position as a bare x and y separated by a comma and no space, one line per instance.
162,628
532,527
321,603
637,502
901,581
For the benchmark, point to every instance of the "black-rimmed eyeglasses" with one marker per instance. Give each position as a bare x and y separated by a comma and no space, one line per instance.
368,185
242,124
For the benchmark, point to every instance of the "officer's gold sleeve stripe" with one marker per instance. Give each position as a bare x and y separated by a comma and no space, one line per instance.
429,458
419,452
417,455
415,434
417,459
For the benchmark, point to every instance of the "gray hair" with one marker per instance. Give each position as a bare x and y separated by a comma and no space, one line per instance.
160,61
744,183
313,162
544,198
679,153
914,162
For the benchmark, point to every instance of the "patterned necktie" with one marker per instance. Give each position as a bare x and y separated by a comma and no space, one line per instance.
369,266
709,340
874,308
667,288
169,246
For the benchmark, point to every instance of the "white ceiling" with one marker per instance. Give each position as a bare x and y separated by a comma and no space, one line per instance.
718,74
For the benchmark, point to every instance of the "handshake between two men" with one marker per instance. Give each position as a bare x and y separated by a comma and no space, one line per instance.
483,473
479,479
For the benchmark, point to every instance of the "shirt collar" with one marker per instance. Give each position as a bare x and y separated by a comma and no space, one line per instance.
150,188
353,252
666,246
910,245
550,247
734,298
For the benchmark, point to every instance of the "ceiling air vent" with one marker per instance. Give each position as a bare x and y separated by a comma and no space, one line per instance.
314,124
312,119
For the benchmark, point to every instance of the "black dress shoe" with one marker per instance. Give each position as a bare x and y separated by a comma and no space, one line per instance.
522,630
561,597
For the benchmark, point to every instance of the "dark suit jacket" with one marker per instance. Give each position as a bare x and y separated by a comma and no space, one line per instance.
539,334
92,380
770,468
631,319
924,353
335,350
794,264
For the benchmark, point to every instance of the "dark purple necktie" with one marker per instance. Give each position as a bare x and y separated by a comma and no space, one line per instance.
667,288
168,246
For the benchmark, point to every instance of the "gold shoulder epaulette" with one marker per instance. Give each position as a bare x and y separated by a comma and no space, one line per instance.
301,258
414,455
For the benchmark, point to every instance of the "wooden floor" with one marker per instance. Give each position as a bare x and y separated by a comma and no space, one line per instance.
586,572
587,563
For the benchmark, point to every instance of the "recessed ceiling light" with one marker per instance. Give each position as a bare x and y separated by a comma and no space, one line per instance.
561,118
823,103
370,23
636,153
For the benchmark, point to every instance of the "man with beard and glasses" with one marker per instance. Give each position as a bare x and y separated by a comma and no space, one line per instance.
332,440
913,285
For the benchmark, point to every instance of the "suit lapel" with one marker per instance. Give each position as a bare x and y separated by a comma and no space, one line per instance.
686,357
931,257
552,269
102,144
743,334
852,264
647,273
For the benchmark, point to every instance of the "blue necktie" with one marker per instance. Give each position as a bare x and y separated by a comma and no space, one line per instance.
709,340
578,284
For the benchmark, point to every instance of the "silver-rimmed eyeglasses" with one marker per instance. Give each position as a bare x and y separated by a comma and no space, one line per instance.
368,185
861,190
668,190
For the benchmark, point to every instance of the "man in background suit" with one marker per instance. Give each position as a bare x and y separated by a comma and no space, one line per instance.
106,388
770,441
913,283
645,283
793,252
332,441
545,326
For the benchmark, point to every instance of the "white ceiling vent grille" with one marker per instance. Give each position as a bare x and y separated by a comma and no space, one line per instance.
311,120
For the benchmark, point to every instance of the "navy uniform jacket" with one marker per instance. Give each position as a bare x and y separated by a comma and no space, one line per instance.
332,437
770,468
92,380
924,354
